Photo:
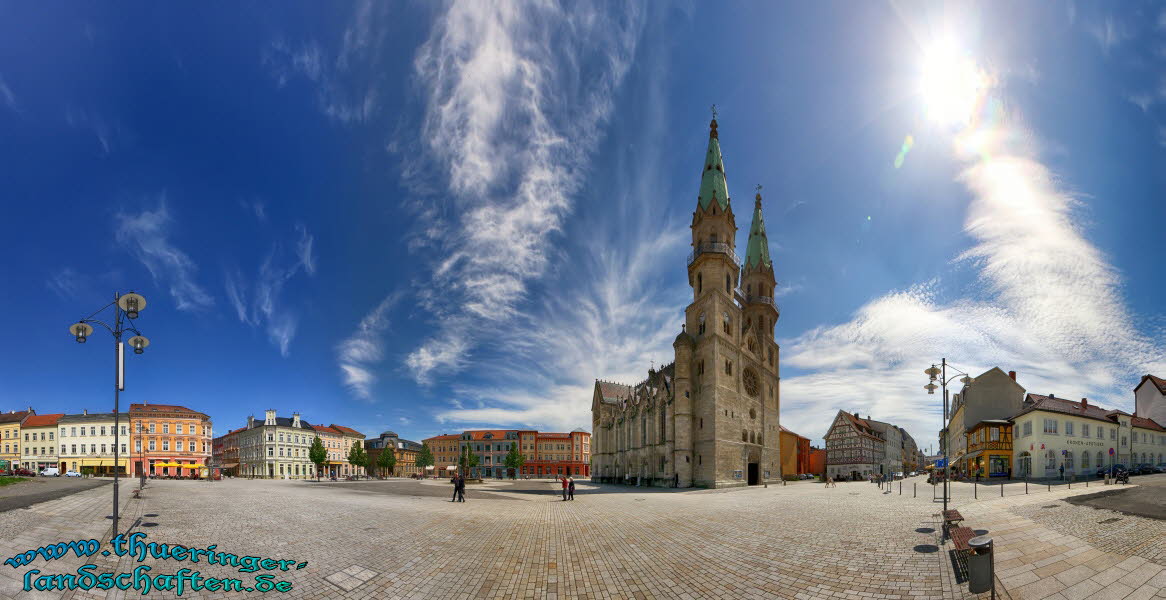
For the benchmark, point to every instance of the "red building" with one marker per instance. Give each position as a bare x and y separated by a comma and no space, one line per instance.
550,454
817,461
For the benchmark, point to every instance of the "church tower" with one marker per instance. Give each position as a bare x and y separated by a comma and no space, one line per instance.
758,283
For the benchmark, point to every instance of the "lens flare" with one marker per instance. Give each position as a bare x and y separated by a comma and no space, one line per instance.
908,142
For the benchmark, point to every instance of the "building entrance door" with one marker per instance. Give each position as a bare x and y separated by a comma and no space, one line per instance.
753,474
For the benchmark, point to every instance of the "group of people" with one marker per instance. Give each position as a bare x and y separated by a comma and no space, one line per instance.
568,488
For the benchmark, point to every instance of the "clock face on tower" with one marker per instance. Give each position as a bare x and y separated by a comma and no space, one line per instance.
749,378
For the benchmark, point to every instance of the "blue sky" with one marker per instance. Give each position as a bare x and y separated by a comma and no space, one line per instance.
427,217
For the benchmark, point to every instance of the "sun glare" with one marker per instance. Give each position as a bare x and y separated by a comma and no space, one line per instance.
952,86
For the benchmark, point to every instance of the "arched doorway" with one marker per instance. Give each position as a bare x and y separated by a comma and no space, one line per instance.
753,467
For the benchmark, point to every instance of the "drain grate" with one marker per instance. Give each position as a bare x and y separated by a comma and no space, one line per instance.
149,524
1111,520
150,515
926,548
925,530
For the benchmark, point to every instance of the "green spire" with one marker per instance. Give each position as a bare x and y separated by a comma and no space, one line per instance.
757,251
712,180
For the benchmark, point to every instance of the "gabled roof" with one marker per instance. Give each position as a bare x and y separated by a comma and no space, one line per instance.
1145,423
42,420
784,429
1033,402
347,430
1157,381
15,416
612,393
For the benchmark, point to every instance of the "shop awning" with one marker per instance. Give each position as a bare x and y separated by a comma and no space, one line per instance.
451,468
335,462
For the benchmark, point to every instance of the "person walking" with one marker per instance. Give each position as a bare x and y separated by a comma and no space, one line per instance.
453,480
571,488
461,488
563,480
1062,471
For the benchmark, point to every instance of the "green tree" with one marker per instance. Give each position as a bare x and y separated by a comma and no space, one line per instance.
357,457
424,458
318,455
387,461
514,460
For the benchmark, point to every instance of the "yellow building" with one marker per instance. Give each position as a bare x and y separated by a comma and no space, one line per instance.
445,452
989,449
10,423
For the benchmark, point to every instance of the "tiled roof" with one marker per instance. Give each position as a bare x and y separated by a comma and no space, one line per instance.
444,438
92,418
156,408
786,430
13,417
1157,381
1068,407
326,429
347,430
1142,422
613,392
42,420
550,434
480,434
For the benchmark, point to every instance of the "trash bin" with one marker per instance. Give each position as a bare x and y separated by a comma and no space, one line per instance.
980,564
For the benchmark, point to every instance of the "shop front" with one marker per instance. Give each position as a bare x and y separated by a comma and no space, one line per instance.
103,467
989,450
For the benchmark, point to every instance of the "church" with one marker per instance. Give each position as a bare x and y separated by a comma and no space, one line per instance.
710,418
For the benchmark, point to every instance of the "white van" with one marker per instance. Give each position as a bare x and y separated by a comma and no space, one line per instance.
50,472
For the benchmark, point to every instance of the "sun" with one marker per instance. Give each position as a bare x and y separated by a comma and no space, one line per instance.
952,85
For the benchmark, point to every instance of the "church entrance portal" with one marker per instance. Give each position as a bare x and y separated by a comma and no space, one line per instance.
753,474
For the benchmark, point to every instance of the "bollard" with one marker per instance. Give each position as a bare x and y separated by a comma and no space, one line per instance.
1001,489
1050,486
915,490
900,488
975,490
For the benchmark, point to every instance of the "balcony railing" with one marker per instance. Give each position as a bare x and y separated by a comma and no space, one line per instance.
763,300
714,248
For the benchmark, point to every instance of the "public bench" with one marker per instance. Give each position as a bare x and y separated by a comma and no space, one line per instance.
960,537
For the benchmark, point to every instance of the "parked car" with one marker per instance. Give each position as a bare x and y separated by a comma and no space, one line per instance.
23,473
50,472
72,473
1160,467
1115,468
1146,469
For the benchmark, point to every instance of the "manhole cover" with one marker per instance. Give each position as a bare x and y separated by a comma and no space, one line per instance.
925,530
150,515
980,531
926,548
109,516
1113,520
1049,506
149,524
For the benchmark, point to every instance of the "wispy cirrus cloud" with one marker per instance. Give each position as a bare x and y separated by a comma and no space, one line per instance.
7,95
346,82
1048,304
361,352
66,283
259,302
515,96
146,236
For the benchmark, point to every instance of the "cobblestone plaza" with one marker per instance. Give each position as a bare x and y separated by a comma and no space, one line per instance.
404,539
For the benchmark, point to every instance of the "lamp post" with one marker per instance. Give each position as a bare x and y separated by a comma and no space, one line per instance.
125,310
933,373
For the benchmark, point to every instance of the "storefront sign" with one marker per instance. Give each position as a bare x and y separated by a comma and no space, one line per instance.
1084,443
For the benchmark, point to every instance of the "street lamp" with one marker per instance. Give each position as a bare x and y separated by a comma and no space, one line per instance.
934,374
125,306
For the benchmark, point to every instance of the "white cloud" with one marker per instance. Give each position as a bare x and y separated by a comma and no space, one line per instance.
146,236
1142,101
364,349
1049,306
65,283
261,303
514,98
1108,33
7,95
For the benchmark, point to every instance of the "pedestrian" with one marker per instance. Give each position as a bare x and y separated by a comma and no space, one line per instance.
453,481
461,488
1062,472
563,480
571,489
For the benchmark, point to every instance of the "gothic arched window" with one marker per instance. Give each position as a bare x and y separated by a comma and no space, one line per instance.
728,324
699,283
700,322
728,285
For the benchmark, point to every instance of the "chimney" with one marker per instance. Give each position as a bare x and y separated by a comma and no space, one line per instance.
1052,395
1084,403
250,421
1012,374
296,420
84,411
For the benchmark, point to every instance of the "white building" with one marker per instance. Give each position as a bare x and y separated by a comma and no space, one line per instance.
276,448
1150,399
86,443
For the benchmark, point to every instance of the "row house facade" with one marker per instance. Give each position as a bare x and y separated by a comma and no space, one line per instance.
854,448
225,450
274,448
86,443
39,442
405,452
552,454
170,440
338,440
10,423
444,449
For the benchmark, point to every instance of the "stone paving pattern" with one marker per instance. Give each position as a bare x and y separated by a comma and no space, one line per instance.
796,541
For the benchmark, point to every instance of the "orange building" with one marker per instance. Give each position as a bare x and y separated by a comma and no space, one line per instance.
795,453
817,462
169,440
550,454
444,449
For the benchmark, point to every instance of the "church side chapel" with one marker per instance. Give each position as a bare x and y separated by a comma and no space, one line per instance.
711,417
